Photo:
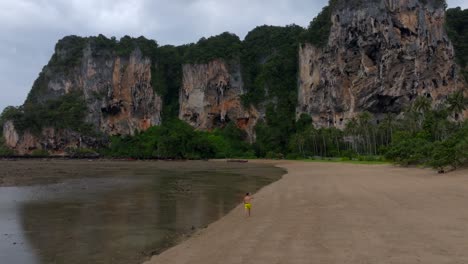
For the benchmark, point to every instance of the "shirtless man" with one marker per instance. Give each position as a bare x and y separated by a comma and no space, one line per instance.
248,203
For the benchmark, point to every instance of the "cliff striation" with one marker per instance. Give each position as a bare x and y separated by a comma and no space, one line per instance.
210,96
357,55
380,56
116,89
54,141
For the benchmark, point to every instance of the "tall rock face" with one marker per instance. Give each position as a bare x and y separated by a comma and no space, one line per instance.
380,56
117,91
129,103
210,97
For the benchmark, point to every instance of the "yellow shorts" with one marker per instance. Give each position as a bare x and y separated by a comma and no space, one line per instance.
248,206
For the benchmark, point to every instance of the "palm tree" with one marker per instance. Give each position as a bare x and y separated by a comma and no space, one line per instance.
441,126
351,130
422,104
298,141
311,141
457,103
411,120
389,124
364,123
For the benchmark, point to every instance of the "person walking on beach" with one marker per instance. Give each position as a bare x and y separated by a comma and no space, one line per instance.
248,203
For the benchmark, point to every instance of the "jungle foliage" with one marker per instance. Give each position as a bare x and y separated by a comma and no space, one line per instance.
270,70
66,112
4,150
457,29
225,46
176,139
421,135
168,78
269,64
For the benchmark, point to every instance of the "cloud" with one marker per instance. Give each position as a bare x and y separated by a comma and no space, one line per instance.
461,3
30,28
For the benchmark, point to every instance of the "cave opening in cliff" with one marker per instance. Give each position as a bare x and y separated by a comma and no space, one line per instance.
219,121
194,118
113,109
373,53
385,103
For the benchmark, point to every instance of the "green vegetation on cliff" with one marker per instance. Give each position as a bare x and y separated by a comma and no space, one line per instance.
318,31
168,78
457,29
69,53
66,112
270,69
101,45
269,60
225,46
4,150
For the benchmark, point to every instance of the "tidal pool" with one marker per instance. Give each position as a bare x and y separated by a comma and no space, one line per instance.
55,211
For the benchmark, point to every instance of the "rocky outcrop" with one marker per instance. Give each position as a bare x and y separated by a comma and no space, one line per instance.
10,134
129,103
117,89
211,97
54,141
379,58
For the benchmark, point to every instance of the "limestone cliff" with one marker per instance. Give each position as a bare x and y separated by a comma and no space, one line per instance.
117,91
210,97
380,56
54,141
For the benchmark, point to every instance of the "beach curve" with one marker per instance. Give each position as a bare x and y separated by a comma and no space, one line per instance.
340,213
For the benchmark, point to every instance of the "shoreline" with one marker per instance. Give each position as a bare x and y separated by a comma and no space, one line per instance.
165,201
338,213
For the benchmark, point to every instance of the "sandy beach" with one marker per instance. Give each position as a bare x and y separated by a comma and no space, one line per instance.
340,213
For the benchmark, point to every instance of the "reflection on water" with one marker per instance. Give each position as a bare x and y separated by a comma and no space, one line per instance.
117,220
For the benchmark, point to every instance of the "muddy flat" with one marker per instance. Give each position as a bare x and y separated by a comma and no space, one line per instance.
341,213
109,211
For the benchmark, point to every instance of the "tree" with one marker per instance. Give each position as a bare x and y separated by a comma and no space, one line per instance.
4,150
297,143
269,70
457,103
304,122
352,131
456,21
318,31
364,119
389,126
422,104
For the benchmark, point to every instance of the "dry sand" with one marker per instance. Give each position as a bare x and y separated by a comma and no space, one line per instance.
340,213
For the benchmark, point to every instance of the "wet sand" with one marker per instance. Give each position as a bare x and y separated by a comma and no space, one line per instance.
108,211
340,213
29,172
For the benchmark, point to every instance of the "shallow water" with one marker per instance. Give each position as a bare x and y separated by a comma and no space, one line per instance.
124,213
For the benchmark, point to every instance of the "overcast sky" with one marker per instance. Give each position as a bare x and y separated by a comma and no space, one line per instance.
29,29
